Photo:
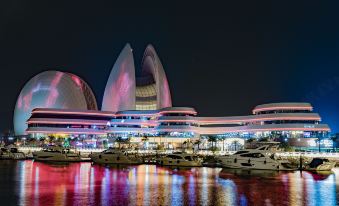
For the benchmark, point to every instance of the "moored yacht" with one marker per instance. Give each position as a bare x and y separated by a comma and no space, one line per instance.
115,156
180,159
261,158
15,154
4,153
56,154
11,152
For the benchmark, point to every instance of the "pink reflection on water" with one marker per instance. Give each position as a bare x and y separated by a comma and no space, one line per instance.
87,184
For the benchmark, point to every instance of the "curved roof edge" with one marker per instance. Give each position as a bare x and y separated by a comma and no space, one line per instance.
151,64
88,92
51,89
120,88
283,105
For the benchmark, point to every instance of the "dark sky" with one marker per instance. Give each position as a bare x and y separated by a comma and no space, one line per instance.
221,59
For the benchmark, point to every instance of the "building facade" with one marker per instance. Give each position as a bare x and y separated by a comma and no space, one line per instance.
137,107
174,125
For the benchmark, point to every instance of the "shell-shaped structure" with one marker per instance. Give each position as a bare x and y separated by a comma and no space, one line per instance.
126,92
151,65
120,88
52,89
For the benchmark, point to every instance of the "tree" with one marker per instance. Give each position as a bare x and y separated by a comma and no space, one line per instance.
223,142
184,144
250,140
286,147
198,142
144,140
334,139
235,143
213,140
51,138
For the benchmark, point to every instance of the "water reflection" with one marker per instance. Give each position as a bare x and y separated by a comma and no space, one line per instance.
86,184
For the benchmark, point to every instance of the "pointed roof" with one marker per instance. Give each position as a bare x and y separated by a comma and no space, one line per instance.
120,88
151,64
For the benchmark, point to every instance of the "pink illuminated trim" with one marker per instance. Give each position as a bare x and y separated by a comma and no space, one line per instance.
121,115
66,122
110,114
268,129
184,112
131,123
264,119
179,120
282,107
242,120
66,132
73,112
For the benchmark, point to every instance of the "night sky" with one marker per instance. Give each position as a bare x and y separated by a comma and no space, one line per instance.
220,59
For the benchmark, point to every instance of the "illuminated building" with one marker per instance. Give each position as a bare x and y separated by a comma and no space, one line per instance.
137,107
124,91
52,89
174,125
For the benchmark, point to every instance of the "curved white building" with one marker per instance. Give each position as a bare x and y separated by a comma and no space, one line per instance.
120,88
158,90
175,124
51,89
57,103
126,92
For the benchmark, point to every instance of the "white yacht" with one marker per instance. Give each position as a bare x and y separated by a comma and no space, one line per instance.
261,158
11,152
180,160
320,164
15,154
115,156
56,154
4,153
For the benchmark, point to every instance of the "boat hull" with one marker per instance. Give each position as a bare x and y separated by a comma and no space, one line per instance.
56,158
179,163
113,159
246,163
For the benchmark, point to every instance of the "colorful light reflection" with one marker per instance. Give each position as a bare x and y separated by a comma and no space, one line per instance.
86,184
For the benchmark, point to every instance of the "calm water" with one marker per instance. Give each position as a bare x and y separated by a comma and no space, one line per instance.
35,183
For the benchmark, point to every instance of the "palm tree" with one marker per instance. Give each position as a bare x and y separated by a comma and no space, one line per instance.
213,140
144,140
334,139
235,143
51,138
184,143
223,142
198,142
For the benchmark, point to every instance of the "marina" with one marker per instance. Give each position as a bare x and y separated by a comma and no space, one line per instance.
231,104
266,157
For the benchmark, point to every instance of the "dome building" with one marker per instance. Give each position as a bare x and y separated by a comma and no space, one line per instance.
51,89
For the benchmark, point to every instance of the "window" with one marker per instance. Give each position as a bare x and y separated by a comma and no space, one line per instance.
240,152
189,158
253,155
